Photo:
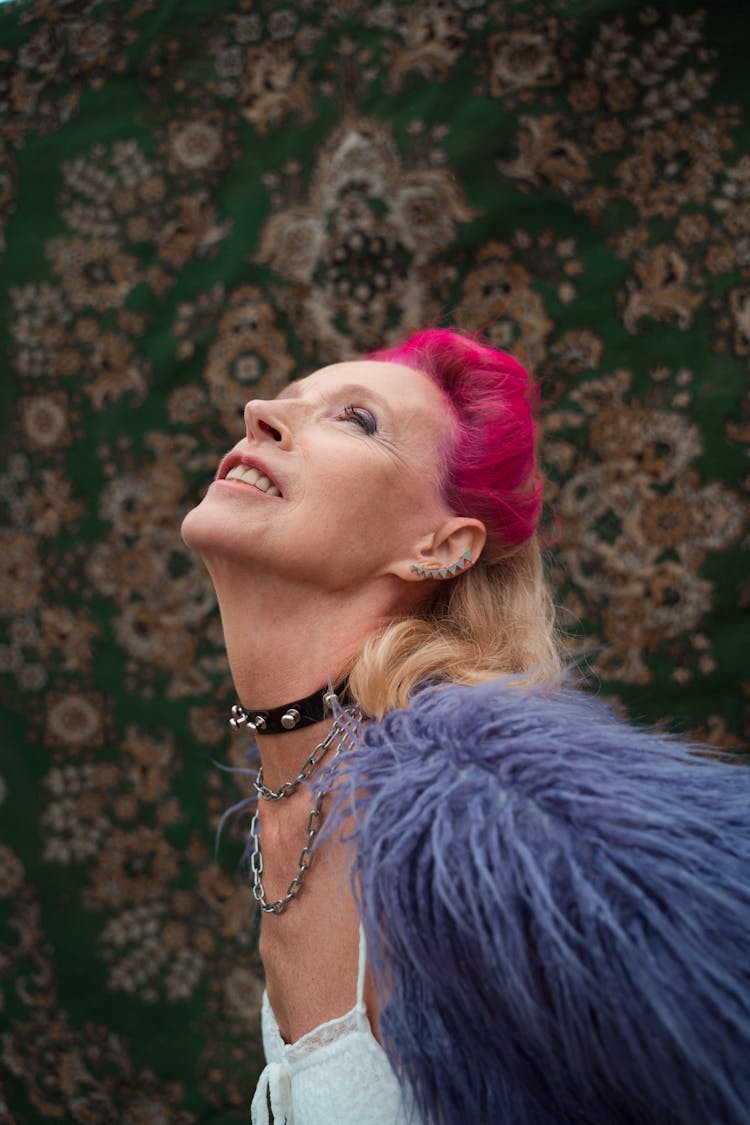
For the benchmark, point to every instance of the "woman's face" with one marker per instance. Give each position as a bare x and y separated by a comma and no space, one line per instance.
337,480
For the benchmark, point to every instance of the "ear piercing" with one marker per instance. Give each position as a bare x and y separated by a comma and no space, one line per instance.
445,571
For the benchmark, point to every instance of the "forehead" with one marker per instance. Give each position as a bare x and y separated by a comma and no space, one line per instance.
398,387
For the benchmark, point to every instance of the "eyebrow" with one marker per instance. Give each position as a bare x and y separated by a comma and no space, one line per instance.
347,391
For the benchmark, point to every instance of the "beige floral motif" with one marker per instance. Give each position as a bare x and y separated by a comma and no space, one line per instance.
248,358
116,567
65,51
51,503
272,85
197,318
546,157
39,328
737,219
525,58
102,186
649,64
664,293
583,95
207,725
357,270
161,590
638,523
641,89
149,765
187,405
578,349
133,867
433,36
149,948
44,421
11,872
160,640
183,974
133,945
673,166
74,719
500,300
190,227
196,144
608,136
113,631
692,229
86,1075
114,368
227,899
50,342
133,502
20,570
94,44
243,990
74,821
115,201
94,272
67,636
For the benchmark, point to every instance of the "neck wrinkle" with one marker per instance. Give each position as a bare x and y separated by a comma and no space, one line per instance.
282,756
299,641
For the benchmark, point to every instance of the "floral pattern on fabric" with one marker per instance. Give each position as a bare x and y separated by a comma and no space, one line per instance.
357,258
198,206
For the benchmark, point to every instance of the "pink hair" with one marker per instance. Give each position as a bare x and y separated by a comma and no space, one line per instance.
491,466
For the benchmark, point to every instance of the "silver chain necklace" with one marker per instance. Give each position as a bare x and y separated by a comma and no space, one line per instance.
288,787
345,731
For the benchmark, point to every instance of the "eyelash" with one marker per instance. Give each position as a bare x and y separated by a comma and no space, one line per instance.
363,418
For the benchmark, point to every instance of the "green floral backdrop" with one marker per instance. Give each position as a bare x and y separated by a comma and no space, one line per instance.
200,200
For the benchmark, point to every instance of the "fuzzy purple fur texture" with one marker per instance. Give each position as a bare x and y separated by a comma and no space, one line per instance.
557,909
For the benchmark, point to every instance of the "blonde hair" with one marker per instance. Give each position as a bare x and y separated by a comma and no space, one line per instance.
496,619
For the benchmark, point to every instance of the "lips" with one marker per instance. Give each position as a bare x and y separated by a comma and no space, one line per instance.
247,471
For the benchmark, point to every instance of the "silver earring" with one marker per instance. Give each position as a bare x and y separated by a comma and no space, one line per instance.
445,571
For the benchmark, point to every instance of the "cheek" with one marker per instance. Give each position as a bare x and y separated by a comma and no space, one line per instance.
365,496
392,513
364,514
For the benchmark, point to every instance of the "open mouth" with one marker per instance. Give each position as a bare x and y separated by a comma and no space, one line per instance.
244,474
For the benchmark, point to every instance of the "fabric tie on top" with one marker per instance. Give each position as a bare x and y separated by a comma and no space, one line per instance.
274,1086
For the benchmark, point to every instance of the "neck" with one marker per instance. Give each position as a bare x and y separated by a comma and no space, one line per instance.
283,642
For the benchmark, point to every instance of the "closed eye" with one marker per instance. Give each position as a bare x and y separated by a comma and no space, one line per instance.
361,417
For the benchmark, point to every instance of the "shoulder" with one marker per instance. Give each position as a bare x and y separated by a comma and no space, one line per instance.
536,878
557,746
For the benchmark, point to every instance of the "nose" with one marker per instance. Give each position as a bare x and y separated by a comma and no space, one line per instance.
264,421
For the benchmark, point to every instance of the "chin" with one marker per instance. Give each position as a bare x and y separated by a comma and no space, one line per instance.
198,527
213,533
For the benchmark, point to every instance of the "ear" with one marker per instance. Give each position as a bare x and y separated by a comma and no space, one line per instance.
448,551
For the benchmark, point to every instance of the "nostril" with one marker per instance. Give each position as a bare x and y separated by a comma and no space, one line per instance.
270,430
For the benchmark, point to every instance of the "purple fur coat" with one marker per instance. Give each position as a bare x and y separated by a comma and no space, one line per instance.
557,909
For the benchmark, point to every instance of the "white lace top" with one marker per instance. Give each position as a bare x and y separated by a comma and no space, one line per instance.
337,1074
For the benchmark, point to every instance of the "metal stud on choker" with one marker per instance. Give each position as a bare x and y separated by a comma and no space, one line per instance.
289,716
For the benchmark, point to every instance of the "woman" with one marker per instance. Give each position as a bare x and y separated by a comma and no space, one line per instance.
520,909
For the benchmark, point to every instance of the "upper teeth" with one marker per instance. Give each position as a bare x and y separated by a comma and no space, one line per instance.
251,476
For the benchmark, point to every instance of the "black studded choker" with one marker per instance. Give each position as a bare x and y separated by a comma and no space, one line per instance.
290,716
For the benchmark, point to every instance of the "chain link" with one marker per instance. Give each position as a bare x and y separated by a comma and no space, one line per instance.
345,731
286,790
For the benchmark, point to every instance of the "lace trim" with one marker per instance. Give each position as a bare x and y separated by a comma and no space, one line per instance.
355,1020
